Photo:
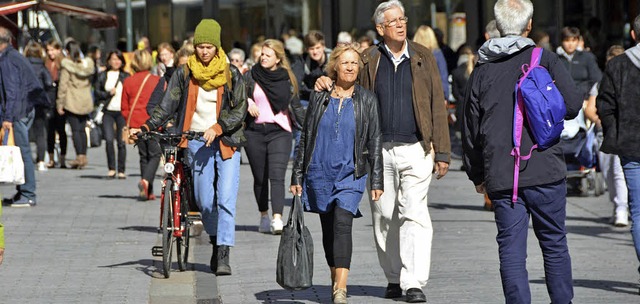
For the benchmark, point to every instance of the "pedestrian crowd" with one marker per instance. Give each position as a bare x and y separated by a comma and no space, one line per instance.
371,116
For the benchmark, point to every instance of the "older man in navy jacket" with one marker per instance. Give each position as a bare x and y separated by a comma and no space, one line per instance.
487,143
20,90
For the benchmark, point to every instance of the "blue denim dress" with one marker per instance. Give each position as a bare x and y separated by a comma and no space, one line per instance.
330,180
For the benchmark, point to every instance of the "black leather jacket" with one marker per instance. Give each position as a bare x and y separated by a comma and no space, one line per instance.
368,145
230,118
296,110
101,95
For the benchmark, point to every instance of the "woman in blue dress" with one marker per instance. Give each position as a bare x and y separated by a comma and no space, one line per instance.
339,143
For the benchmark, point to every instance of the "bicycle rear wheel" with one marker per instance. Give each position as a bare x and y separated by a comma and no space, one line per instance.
167,225
182,243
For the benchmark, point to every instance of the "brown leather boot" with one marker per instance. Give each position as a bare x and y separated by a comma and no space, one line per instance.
79,163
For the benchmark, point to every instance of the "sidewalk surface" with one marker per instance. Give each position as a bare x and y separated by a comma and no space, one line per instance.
89,241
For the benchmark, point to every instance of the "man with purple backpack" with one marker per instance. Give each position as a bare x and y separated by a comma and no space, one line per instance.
502,145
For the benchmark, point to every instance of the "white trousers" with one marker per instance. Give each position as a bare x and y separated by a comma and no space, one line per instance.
401,223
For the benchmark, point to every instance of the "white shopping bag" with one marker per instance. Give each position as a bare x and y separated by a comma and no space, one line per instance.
11,165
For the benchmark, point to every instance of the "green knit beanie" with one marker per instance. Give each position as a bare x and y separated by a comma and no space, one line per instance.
207,31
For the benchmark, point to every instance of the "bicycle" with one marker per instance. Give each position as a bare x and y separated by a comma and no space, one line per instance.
177,194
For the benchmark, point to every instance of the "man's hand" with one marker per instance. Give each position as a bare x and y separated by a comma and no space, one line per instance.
209,136
481,189
295,190
376,194
1,255
7,125
441,169
323,83
61,111
253,110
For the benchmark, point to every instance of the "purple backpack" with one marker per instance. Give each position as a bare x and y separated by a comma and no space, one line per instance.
537,99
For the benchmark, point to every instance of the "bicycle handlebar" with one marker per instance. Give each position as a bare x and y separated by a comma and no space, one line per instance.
189,135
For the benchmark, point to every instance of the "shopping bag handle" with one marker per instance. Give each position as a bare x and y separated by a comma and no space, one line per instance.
7,137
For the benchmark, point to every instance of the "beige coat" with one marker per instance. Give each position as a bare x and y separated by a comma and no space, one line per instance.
74,87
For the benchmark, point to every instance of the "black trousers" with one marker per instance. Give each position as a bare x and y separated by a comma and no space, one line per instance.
268,148
150,152
57,125
39,130
78,124
112,124
337,238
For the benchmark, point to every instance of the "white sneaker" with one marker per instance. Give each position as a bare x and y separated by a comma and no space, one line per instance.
276,226
264,224
622,219
42,166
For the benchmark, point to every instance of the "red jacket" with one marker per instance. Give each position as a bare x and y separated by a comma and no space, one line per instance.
130,88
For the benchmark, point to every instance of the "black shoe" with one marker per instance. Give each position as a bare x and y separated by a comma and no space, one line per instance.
415,295
223,261
393,291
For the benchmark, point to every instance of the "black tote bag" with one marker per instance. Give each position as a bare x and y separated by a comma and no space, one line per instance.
294,270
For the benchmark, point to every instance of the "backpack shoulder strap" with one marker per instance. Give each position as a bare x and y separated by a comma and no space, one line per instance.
536,55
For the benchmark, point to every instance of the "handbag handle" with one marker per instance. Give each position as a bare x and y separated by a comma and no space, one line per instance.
7,137
136,100
296,214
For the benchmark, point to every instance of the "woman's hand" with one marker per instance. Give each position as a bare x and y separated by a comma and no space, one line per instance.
296,190
1,255
113,91
209,136
376,194
253,110
133,133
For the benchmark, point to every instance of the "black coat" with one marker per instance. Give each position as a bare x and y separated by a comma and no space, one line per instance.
368,145
101,95
43,75
296,110
584,70
619,107
487,130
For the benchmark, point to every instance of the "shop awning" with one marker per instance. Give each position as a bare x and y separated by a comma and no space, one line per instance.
96,19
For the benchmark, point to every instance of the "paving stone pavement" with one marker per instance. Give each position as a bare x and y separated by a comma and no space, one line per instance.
89,241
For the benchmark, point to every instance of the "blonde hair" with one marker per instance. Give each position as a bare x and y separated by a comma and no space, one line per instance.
278,48
426,37
332,65
142,61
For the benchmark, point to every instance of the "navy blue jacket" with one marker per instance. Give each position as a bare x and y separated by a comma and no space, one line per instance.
20,88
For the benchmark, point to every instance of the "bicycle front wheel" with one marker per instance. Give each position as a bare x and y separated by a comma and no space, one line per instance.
167,228
182,243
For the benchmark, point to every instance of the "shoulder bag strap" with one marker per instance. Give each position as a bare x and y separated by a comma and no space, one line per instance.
136,100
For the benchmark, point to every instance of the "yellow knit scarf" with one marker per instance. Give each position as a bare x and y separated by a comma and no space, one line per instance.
211,76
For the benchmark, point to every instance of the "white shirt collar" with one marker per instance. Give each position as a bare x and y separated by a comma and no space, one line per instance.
399,59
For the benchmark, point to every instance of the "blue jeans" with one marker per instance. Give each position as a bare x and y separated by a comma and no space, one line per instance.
21,138
631,168
546,206
215,184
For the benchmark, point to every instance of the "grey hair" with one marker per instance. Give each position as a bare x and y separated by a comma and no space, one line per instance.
512,16
636,28
492,29
5,35
378,15
237,51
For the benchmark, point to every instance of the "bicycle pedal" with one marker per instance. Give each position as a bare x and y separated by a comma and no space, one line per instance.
156,251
